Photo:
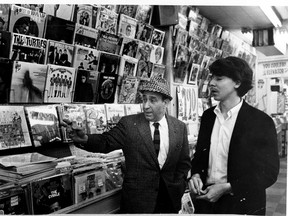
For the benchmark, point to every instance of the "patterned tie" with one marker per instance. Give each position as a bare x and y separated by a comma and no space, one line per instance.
156,140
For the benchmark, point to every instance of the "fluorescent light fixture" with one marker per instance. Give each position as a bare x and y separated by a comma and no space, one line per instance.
271,15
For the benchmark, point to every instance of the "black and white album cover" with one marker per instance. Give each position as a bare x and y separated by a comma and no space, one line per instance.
59,53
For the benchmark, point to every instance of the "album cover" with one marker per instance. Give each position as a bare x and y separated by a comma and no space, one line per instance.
108,42
106,88
6,68
28,81
127,26
5,43
157,37
59,29
181,37
51,194
59,53
85,36
75,114
128,91
144,32
193,28
107,21
111,7
12,201
131,109
4,16
143,13
96,118
193,74
129,10
205,61
85,86
144,69
85,14
144,51
129,47
85,58
35,7
128,66
28,49
26,21
108,63
182,21
158,70
194,43
63,11
13,128
89,185
180,64
60,84
44,124
114,113
157,54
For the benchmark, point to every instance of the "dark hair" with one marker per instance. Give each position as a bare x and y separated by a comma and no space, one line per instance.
235,68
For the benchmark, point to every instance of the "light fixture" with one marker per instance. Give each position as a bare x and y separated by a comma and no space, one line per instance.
271,15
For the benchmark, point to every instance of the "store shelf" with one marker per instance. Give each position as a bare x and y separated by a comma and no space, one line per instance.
106,203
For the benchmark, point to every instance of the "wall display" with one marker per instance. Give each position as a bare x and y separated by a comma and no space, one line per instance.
59,29
129,47
108,63
158,70
106,88
63,11
132,109
44,124
192,79
88,185
59,53
85,58
143,13
114,113
27,48
157,37
5,44
28,81
85,36
4,16
60,84
157,54
26,21
128,66
13,128
96,118
109,42
85,86
144,32
129,10
127,26
51,194
107,21
85,14
6,68
128,91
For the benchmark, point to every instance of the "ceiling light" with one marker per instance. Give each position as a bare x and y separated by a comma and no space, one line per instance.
271,15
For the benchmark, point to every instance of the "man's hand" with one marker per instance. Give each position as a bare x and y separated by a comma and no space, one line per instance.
195,185
76,133
213,192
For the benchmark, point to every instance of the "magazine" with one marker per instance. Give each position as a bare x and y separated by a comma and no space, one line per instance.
111,7
129,47
144,32
108,42
157,37
106,88
96,118
6,68
131,109
60,84
144,69
85,36
158,70
108,63
129,10
128,90
85,14
193,74
181,37
85,58
28,81
143,13
63,11
4,15
59,53
180,64
26,21
128,66
157,54
27,48
107,21
13,128
114,113
44,124
127,26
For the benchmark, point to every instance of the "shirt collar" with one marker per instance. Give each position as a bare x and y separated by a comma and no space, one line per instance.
231,112
161,122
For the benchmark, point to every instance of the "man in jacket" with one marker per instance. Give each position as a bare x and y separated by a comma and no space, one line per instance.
156,157
236,156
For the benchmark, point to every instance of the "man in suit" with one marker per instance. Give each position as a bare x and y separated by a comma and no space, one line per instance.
156,170
236,156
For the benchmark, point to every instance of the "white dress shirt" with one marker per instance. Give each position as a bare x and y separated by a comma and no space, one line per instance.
164,140
220,142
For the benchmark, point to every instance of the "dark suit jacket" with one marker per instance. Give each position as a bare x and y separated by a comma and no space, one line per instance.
253,162
141,180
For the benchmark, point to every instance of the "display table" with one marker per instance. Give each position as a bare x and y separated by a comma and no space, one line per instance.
106,203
